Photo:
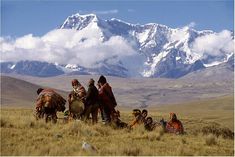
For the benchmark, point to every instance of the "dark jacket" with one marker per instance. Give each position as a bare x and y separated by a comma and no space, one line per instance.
92,95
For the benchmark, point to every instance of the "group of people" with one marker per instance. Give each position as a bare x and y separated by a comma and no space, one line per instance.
91,101
85,105
94,100
141,117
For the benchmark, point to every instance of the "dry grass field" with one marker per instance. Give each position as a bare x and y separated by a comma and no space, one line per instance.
21,134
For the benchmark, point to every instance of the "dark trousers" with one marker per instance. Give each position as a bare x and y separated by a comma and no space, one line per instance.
106,113
93,110
101,112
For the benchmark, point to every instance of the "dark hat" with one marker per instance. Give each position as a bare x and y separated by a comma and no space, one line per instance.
102,79
136,111
144,111
149,118
39,90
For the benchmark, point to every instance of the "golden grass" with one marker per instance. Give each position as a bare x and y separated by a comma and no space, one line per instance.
21,134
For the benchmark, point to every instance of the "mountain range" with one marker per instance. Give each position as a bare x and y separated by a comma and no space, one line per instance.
160,51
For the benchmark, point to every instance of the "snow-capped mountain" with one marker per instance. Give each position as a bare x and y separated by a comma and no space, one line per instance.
32,68
162,51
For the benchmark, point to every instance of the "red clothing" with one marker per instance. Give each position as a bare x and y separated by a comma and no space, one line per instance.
174,127
106,96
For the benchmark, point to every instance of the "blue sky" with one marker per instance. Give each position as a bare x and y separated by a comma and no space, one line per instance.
19,18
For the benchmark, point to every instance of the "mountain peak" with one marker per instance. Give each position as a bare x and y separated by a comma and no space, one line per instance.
83,15
78,21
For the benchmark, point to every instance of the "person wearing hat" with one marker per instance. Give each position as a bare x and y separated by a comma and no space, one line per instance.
78,92
107,99
91,102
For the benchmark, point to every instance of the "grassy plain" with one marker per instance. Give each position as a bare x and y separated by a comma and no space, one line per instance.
21,134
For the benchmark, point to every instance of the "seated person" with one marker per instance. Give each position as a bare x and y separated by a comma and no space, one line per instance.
117,122
150,124
174,125
144,115
137,118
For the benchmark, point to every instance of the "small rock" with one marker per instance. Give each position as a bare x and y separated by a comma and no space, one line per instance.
87,147
58,136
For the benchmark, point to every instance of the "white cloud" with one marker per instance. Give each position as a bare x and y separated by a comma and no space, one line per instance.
218,44
181,33
28,42
66,46
214,44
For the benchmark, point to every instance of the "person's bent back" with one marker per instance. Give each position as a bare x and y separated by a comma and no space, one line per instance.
48,102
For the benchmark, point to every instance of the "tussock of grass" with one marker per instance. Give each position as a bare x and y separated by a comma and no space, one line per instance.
23,135
218,131
210,140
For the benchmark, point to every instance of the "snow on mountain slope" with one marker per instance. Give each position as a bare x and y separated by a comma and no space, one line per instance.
115,47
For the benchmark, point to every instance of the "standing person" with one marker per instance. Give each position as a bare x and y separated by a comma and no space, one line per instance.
91,102
107,98
78,93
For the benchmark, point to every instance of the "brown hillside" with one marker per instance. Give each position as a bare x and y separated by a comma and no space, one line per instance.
16,92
